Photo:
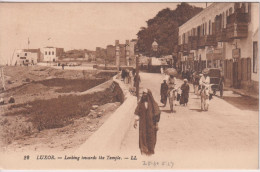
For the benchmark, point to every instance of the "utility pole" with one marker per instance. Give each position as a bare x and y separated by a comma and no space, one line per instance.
3,78
137,75
117,54
28,42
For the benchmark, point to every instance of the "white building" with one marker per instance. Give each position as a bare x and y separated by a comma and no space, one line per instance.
26,58
224,35
51,54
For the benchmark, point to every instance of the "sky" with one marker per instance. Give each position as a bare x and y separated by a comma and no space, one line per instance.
72,25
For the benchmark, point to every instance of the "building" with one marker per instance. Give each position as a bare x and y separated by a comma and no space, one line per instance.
23,57
101,54
38,51
52,54
132,51
225,36
111,54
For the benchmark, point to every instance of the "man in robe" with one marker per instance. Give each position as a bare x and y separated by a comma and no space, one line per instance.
148,114
164,92
185,92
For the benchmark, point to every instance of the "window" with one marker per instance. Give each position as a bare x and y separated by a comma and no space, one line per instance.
230,11
25,54
17,55
203,29
209,27
223,20
206,28
255,55
49,53
53,53
46,52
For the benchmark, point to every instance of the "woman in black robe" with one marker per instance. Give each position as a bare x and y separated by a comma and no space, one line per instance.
148,114
185,92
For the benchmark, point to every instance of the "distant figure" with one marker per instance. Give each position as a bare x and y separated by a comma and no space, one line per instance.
221,85
164,92
133,71
126,76
162,71
185,88
62,66
2,102
148,114
136,79
196,83
11,100
123,74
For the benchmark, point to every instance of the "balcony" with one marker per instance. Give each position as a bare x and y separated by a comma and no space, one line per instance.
210,40
221,35
201,42
237,26
238,18
184,48
193,43
237,30
207,40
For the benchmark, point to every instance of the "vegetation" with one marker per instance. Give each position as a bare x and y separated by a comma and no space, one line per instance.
164,29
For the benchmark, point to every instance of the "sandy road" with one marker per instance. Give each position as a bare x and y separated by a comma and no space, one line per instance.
224,137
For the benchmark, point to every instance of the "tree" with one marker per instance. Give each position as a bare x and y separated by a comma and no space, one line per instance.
164,28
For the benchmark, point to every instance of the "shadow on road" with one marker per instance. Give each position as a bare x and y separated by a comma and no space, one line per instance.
198,110
243,102
166,111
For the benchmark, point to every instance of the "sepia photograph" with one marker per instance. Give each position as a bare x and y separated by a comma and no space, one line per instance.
129,85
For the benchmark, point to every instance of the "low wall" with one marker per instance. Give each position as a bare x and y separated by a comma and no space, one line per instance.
108,138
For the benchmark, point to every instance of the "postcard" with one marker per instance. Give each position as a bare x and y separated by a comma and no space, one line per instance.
127,86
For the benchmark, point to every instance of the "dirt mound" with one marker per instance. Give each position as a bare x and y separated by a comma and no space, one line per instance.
71,85
32,88
61,111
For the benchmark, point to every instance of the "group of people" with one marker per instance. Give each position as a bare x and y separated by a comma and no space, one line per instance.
128,76
169,88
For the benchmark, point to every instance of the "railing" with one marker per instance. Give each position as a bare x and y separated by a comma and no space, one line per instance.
221,35
210,40
201,41
238,18
183,47
193,43
237,26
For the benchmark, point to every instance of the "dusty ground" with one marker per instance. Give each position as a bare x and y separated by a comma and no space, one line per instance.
48,113
225,137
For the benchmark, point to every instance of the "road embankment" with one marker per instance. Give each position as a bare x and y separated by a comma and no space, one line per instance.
108,138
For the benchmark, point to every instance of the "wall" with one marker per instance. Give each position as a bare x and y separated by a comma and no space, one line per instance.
108,138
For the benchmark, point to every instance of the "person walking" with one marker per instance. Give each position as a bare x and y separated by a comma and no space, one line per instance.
185,88
164,92
147,113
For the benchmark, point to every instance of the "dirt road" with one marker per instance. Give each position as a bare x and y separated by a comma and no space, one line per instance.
224,137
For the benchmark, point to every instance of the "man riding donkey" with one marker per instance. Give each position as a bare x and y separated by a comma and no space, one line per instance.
205,89
171,82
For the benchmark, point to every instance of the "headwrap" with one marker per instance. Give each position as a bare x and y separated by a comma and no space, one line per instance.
151,104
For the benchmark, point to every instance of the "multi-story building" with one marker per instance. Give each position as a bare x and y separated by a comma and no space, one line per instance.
23,57
52,54
224,35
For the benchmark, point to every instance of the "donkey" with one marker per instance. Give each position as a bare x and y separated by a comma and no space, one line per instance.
205,98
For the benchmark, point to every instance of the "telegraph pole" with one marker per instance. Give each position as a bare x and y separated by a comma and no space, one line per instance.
137,75
117,54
